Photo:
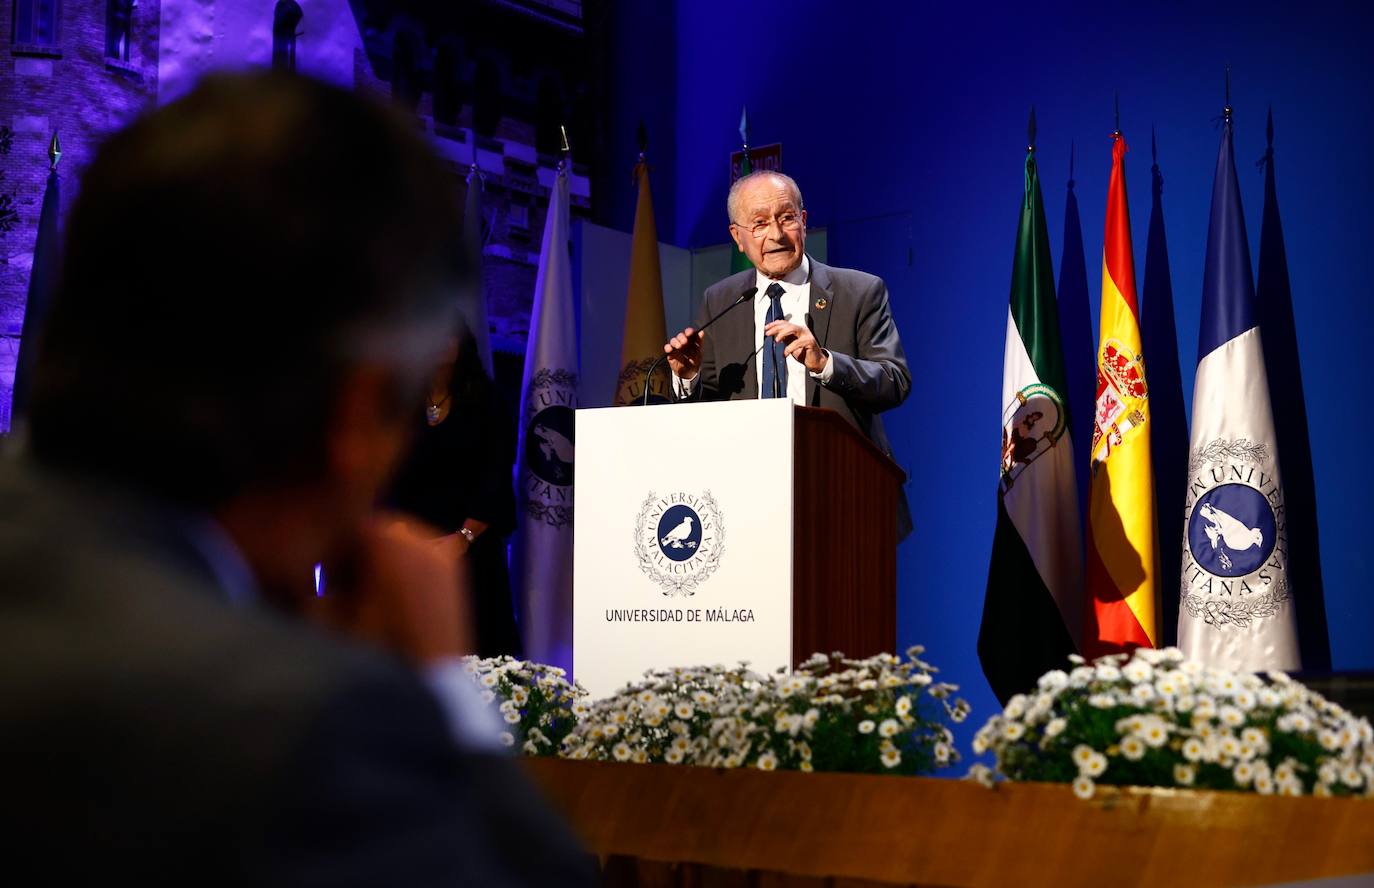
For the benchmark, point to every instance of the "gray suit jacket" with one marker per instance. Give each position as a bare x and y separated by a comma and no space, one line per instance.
851,319
154,733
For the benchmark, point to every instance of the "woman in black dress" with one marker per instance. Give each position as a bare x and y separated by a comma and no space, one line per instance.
458,479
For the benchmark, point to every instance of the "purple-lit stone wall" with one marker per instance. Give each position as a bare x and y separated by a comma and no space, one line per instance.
73,90
83,95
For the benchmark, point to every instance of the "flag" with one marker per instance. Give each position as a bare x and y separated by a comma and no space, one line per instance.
1032,610
541,551
1076,334
645,331
1274,311
1235,603
42,277
1168,420
738,261
474,299
1121,558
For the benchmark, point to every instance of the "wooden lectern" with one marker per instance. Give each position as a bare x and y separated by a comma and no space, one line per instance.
720,532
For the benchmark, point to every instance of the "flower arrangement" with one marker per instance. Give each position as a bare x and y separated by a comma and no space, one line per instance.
1155,718
537,703
879,715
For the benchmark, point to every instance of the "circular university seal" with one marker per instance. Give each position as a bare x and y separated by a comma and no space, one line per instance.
679,539
546,459
1235,564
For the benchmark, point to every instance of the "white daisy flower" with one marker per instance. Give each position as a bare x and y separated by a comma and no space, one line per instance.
673,757
1155,733
1231,716
891,757
1016,707
1243,773
1184,774
767,762
621,751
1013,730
1055,727
1133,748
1193,749
1083,787
866,726
980,773
889,728
1054,680
507,738
1137,671
512,718
1083,755
903,705
1096,766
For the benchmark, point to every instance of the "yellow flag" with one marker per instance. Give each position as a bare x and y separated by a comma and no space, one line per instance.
645,331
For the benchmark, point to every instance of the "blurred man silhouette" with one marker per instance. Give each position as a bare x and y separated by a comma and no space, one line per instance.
258,280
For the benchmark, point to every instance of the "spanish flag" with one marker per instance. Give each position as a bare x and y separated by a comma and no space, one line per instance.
1122,559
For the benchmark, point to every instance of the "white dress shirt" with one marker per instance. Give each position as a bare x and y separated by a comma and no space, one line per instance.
795,302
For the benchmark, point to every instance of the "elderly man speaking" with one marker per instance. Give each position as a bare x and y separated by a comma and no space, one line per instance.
820,336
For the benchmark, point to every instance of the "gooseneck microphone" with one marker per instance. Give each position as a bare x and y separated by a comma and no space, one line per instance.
746,296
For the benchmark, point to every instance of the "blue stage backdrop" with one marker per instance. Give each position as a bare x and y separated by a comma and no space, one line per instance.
905,125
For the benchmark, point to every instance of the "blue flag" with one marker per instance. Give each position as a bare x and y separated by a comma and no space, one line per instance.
541,552
1274,297
1236,608
1076,335
1169,438
41,279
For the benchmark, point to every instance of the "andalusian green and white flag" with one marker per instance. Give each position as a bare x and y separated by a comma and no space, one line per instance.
1032,611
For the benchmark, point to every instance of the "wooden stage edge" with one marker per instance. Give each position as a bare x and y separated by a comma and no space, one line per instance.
926,831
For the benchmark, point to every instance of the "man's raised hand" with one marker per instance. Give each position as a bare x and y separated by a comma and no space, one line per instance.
684,353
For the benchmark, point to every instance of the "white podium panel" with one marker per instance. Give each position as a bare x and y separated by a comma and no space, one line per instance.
682,546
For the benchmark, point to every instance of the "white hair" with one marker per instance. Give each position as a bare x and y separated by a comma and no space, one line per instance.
732,200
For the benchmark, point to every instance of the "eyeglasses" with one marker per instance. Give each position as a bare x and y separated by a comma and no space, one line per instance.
786,221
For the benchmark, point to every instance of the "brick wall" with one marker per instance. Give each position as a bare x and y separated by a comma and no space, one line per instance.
75,91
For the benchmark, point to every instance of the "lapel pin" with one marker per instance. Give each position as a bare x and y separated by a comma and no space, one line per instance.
821,304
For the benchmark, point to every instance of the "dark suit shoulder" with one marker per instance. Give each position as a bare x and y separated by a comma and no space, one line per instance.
847,278
727,290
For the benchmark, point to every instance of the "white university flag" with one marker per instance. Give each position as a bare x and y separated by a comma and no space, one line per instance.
541,552
1236,606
